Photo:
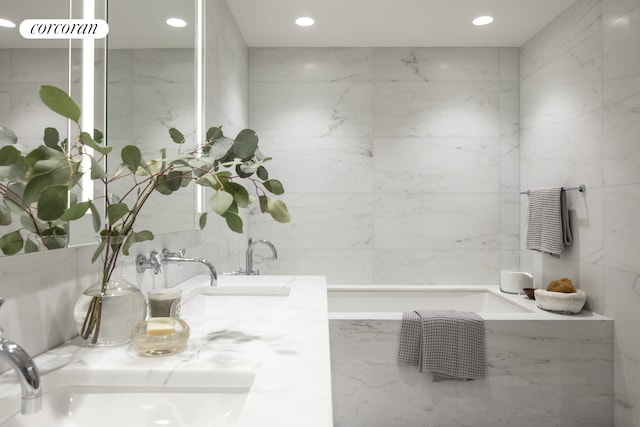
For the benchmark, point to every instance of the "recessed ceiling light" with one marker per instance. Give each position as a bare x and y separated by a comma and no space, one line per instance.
305,21
483,20
6,23
176,22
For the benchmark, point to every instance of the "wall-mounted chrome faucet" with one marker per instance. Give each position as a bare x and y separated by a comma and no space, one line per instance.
249,271
156,260
27,372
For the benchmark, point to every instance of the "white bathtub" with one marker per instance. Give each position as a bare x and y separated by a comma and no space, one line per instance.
381,301
542,368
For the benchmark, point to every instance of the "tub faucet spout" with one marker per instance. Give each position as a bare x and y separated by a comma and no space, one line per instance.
168,257
27,372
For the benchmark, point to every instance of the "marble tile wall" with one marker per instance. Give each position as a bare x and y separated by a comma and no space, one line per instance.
398,163
579,115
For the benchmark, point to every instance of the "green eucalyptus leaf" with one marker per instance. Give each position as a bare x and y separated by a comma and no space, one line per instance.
52,138
214,133
98,136
234,222
95,217
99,250
11,243
97,172
220,201
76,211
9,155
203,220
239,193
116,211
264,205
262,173
87,141
58,101
7,135
176,136
274,186
5,215
55,237
133,238
30,246
29,223
131,156
278,210
246,144
34,189
243,171
53,202
220,148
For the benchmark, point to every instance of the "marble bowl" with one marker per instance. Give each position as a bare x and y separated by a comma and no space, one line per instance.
559,302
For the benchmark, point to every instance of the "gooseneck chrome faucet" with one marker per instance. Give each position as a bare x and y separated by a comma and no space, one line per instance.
249,267
157,260
27,372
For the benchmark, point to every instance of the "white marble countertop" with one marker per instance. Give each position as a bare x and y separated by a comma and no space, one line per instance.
284,341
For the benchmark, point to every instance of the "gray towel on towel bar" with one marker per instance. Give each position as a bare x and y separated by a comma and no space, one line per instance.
449,344
548,228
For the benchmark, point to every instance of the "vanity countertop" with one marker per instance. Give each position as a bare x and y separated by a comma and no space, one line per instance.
284,341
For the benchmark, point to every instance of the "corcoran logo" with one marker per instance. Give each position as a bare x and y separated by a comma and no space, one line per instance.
64,29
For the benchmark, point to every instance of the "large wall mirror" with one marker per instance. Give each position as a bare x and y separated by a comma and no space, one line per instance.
144,82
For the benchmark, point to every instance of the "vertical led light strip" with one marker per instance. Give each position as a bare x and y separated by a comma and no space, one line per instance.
200,88
88,83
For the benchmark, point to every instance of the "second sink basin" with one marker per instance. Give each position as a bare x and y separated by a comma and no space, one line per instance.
141,398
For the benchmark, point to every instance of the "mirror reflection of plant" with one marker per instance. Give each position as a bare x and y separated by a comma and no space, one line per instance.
37,185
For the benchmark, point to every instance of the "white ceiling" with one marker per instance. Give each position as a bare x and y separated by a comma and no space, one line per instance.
270,23
382,23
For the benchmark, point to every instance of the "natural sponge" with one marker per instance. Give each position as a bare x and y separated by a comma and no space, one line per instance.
563,285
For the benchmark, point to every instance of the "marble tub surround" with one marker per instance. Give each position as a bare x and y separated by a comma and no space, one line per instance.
282,341
542,369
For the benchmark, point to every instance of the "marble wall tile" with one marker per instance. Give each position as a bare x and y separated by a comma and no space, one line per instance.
5,104
321,165
424,266
320,221
29,116
581,20
27,66
436,165
446,222
158,107
311,109
346,266
621,97
163,65
310,65
621,227
436,64
612,10
510,221
509,165
510,64
510,110
5,65
436,109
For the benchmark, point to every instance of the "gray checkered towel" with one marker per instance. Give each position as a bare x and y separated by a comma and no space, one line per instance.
548,228
449,344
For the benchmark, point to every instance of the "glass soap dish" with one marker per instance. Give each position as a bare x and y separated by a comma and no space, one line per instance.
160,336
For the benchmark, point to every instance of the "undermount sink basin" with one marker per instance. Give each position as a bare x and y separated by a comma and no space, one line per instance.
247,290
141,398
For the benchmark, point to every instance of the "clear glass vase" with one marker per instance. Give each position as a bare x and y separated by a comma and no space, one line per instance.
106,317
